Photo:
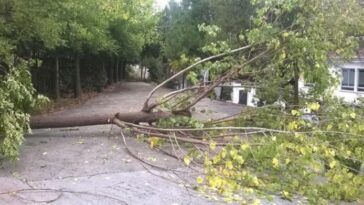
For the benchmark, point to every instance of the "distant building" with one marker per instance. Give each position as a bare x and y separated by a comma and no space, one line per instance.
350,88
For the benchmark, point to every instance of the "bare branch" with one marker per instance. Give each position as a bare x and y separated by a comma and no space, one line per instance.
222,79
146,109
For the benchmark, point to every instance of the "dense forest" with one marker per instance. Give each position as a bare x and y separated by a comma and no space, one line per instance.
62,48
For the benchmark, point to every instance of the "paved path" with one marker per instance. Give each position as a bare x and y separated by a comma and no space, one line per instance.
90,165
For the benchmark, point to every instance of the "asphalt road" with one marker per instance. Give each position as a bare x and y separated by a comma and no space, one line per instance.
90,165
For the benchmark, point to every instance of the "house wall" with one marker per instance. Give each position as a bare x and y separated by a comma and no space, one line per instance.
252,101
346,95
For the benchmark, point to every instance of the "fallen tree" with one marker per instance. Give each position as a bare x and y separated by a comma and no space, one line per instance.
234,157
264,150
132,117
147,114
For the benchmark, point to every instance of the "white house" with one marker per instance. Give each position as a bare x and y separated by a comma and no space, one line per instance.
350,88
351,76
236,93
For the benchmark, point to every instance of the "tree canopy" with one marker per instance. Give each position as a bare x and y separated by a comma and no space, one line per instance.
53,40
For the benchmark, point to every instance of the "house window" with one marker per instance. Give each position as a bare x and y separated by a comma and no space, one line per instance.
360,79
349,79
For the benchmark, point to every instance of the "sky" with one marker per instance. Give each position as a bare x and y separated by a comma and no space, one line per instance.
160,4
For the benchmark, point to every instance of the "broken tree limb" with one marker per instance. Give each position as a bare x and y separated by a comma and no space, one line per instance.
146,106
39,122
229,74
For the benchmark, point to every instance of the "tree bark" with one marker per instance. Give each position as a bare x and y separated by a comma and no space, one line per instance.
78,89
111,69
123,70
56,80
296,97
39,122
183,81
141,73
117,76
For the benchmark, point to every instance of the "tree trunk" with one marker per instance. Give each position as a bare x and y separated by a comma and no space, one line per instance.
56,80
104,70
117,76
183,81
296,97
78,90
145,74
39,122
141,73
123,70
111,69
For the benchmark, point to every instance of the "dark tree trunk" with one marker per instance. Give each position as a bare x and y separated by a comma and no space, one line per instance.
56,80
34,69
39,122
78,89
141,73
123,70
106,66
105,71
111,70
296,97
117,70
183,81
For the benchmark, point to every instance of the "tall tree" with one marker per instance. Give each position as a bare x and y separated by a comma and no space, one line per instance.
57,32
304,35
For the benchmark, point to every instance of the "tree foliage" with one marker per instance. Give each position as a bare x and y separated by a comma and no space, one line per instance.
49,44
273,150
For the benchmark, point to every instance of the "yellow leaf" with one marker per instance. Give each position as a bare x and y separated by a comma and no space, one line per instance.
229,164
275,162
255,181
332,164
223,154
244,147
295,113
293,125
233,153
199,180
154,141
353,115
240,160
187,160
314,106
302,150
256,202
249,190
285,195
212,145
